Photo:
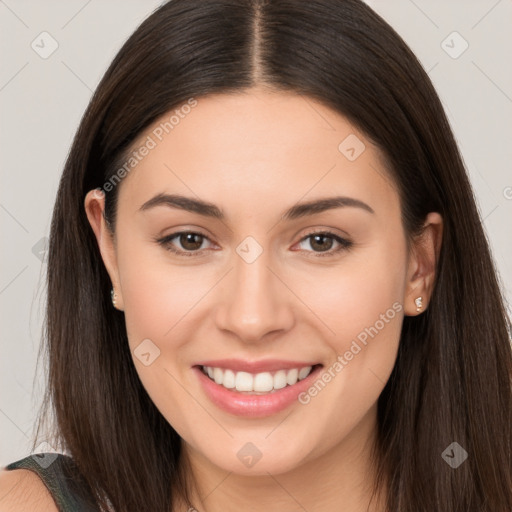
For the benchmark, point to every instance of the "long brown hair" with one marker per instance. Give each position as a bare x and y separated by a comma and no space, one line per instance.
452,381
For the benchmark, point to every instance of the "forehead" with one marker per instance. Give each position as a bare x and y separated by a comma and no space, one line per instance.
257,148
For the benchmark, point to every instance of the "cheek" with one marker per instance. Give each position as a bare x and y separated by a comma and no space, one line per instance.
156,294
361,302
365,307
355,294
156,298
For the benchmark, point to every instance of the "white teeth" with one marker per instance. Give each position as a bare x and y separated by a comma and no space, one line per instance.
260,382
229,379
243,381
304,372
218,375
280,379
263,382
292,376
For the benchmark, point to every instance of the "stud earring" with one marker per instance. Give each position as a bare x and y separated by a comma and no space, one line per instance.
418,302
113,295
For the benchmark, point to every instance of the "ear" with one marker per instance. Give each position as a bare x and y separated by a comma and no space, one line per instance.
422,265
94,204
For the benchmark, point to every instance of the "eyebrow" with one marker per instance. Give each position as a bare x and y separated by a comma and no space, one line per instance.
211,210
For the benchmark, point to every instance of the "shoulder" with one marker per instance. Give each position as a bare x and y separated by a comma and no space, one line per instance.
22,489
46,482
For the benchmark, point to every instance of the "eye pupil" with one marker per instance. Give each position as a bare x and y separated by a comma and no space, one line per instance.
322,246
187,238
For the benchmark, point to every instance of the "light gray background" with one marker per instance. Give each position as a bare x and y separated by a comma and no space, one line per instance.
42,101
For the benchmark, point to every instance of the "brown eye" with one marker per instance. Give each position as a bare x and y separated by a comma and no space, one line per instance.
189,243
322,243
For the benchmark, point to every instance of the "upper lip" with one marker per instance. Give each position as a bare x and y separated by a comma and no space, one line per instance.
266,365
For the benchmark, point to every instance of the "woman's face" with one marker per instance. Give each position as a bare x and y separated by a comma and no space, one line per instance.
254,293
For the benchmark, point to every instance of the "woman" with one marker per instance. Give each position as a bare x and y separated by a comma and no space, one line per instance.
269,286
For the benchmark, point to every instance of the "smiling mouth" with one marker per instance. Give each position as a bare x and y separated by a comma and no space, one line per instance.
257,383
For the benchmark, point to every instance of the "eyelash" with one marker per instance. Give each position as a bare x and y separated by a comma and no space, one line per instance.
344,243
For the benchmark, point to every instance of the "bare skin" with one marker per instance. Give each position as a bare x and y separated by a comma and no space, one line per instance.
22,489
255,155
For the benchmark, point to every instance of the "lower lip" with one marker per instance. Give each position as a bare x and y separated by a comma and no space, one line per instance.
254,406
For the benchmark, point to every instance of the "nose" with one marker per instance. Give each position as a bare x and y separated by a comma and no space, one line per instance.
253,301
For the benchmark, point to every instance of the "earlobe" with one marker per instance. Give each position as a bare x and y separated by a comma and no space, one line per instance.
423,265
94,205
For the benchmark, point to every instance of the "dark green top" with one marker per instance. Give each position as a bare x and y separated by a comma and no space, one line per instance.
61,477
